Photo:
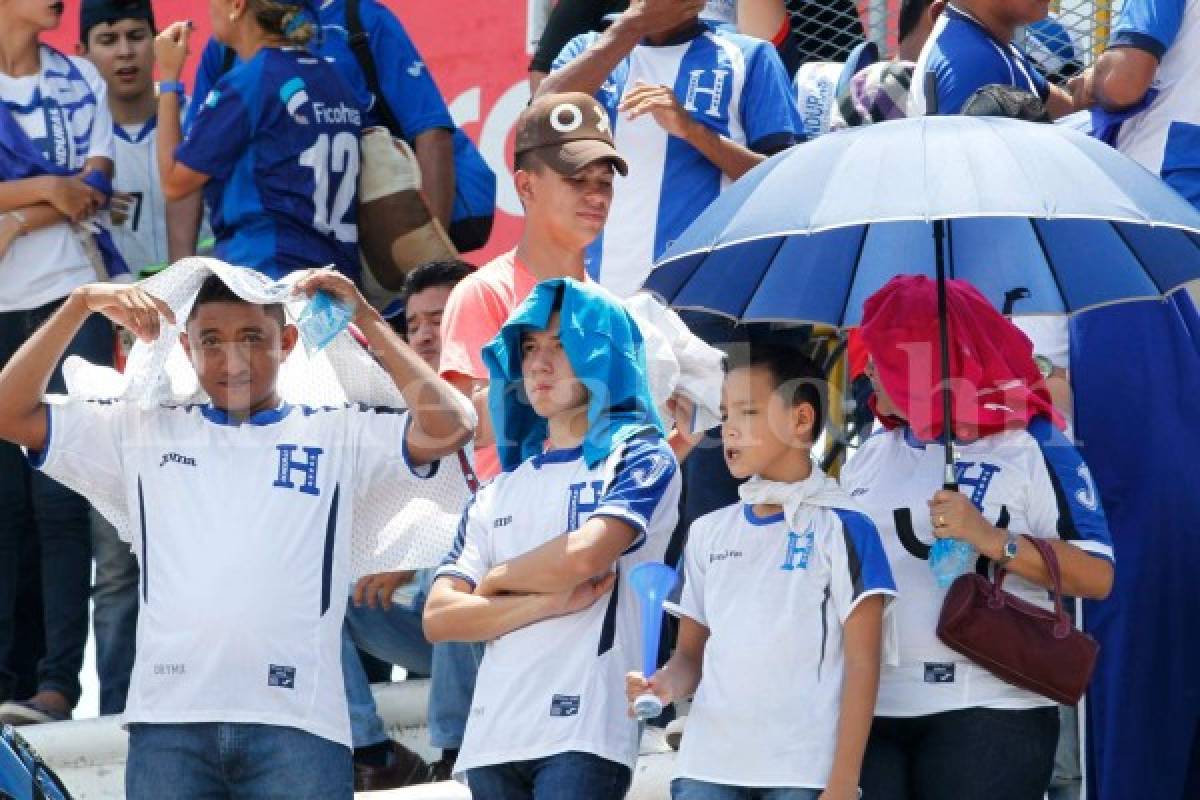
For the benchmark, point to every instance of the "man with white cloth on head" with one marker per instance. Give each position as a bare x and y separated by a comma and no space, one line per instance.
240,510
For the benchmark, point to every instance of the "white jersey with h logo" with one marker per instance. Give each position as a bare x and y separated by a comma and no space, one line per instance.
242,535
559,685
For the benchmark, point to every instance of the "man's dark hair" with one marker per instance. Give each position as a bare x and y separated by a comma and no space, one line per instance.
529,161
910,17
109,12
795,377
444,272
214,290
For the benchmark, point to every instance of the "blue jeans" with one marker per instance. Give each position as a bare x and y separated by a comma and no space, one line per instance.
114,618
688,789
234,761
396,636
31,502
563,776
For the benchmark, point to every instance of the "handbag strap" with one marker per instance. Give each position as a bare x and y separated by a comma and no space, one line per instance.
1064,624
360,46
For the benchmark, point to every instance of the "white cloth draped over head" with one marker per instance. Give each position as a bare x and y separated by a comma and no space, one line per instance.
396,527
818,489
678,361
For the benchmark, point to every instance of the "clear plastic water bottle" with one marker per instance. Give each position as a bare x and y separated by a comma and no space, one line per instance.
949,558
322,319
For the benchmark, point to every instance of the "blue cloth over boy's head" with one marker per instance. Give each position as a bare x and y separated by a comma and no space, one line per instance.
604,347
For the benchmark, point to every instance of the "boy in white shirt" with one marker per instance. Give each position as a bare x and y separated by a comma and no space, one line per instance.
540,569
241,510
782,607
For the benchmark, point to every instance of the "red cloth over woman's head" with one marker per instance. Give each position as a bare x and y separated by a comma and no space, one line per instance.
996,384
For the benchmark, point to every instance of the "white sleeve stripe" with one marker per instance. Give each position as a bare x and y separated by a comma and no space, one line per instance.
452,572
1094,548
633,520
888,594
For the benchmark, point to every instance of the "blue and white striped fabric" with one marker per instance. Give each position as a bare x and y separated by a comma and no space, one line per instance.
734,85
964,56
1165,138
51,123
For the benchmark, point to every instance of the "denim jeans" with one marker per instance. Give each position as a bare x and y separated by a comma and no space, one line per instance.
688,789
563,776
396,636
29,501
115,613
969,754
235,761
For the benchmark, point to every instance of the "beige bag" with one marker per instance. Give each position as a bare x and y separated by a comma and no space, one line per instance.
396,232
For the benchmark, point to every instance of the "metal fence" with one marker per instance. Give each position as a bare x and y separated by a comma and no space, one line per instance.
1064,43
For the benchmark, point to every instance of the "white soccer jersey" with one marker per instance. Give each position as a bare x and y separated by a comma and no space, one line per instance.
142,237
242,535
559,685
1165,138
63,112
1030,481
775,599
733,84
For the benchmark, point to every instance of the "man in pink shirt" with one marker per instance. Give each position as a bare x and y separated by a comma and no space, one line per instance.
563,173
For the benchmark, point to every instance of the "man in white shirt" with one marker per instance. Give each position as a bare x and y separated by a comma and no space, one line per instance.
55,159
118,39
242,509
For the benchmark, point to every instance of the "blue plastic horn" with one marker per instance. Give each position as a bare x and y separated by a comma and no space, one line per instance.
652,581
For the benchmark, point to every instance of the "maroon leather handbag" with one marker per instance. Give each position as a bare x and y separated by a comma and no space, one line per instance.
1020,643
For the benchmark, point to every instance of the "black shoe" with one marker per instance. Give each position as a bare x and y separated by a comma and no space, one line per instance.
403,768
442,770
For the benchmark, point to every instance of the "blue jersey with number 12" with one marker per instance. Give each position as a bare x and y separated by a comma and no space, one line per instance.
278,137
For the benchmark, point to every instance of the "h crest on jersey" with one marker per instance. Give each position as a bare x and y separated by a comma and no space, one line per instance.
978,481
799,550
711,84
585,498
306,467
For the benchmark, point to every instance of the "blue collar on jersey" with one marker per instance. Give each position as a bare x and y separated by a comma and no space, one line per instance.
220,416
755,519
605,349
561,456
698,28
120,132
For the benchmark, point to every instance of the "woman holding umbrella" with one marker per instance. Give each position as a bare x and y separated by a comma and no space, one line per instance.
945,728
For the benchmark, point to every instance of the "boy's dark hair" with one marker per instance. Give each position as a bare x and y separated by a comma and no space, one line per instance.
445,272
910,15
214,290
528,162
101,12
795,377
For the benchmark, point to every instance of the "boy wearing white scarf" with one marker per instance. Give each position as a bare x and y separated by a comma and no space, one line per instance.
782,607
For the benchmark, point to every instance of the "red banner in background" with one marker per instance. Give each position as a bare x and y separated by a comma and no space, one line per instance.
476,50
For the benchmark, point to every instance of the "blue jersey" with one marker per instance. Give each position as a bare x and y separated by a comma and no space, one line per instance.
963,56
1165,138
278,137
407,86
733,84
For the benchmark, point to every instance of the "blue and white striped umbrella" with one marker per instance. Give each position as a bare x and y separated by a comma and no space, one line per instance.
811,233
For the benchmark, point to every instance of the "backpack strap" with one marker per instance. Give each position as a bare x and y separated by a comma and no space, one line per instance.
228,59
360,45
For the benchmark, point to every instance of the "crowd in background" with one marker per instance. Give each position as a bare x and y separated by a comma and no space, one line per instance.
112,167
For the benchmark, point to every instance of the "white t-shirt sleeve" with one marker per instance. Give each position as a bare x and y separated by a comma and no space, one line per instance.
1062,498
858,566
470,557
691,603
100,143
380,438
83,442
640,482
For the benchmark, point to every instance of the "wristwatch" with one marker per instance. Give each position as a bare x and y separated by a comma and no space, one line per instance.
1044,365
1010,549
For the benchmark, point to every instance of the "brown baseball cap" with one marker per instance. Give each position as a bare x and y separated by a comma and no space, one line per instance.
569,131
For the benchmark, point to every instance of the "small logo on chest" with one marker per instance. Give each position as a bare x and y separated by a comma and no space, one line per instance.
177,458
502,522
723,555
798,550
